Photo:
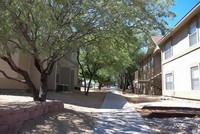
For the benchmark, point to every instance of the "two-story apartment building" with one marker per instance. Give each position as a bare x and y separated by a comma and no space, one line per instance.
148,77
65,73
181,57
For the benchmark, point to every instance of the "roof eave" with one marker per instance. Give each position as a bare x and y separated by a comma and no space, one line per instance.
181,23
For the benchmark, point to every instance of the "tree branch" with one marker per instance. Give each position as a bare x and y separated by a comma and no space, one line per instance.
17,44
38,63
11,78
20,71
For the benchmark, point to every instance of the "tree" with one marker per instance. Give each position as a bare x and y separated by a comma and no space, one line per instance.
48,30
130,71
105,53
105,76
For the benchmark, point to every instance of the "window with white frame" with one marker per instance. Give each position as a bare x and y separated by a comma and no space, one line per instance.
195,77
168,50
169,81
193,33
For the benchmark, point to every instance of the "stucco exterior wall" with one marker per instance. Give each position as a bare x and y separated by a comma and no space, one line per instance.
198,21
26,62
63,63
52,79
180,68
180,39
5,67
5,84
184,57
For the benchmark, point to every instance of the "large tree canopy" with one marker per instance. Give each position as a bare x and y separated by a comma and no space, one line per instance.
47,30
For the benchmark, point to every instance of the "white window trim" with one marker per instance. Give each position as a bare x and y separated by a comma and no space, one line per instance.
170,49
172,81
194,65
196,32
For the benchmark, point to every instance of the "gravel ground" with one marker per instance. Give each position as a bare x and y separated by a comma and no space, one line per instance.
181,125
165,125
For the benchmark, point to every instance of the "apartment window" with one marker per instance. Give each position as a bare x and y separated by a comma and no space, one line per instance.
195,77
169,81
168,50
193,33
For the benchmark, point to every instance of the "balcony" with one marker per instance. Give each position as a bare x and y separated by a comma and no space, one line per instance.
145,76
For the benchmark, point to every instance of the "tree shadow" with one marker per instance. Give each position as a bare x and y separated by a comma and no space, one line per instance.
120,122
93,100
182,125
121,119
63,122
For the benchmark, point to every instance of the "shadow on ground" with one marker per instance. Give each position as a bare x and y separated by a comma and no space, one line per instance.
63,122
183,125
121,119
167,119
93,100
120,123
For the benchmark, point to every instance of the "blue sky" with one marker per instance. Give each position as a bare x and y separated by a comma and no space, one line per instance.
181,8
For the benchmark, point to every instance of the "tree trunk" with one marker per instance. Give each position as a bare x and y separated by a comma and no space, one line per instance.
33,89
88,88
85,84
43,87
130,80
100,85
121,82
124,83
82,70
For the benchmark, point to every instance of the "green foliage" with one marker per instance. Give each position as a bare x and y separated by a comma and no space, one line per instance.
107,31
58,25
128,24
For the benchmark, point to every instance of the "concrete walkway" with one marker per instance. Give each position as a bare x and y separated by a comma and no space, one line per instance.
119,117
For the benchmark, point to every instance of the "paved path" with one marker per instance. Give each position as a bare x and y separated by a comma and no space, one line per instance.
119,117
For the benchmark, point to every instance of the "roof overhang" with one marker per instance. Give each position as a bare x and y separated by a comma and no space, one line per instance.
181,23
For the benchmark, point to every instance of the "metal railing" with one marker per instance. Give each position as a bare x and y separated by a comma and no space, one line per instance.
149,74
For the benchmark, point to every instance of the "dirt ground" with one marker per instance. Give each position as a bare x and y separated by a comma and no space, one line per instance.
166,119
77,117
80,112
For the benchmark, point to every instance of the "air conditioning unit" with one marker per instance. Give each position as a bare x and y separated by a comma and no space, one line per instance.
62,88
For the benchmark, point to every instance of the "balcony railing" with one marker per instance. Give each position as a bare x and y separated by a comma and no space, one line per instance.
149,74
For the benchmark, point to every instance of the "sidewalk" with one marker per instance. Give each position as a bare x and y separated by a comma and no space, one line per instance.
118,116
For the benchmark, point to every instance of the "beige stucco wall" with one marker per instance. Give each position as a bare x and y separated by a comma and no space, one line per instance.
5,67
180,41
25,62
72,65
182,76
10,84
52,79
184,57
